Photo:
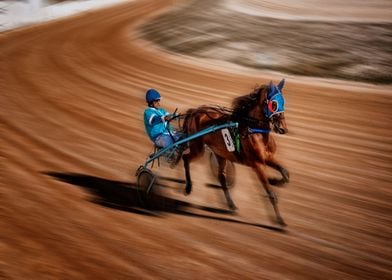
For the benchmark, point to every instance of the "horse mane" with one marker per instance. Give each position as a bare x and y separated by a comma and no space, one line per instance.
216,114
243,104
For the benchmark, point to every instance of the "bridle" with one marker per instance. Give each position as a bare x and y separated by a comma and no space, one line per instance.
272,109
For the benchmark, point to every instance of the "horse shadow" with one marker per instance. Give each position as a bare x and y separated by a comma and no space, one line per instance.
123,196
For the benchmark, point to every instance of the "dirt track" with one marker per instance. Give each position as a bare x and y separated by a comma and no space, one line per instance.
72,97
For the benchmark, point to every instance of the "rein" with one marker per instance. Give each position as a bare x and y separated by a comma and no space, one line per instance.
230,112
249,121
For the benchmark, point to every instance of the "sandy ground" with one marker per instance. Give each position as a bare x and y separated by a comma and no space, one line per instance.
310,10
72,138
15,14
329,39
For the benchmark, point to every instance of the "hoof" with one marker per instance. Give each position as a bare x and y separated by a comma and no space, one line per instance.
188,189
286,175
232,207
281,222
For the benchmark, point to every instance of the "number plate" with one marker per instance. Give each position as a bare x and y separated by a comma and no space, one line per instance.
228,140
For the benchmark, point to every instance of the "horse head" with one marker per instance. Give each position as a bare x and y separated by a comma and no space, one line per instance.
262,108
274,107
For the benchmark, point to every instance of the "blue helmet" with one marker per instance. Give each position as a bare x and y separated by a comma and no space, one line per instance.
152,95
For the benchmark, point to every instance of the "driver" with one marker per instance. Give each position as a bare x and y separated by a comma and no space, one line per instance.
156,121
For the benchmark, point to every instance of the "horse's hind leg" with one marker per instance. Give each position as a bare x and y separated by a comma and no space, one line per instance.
196,149
222,179
271,195
188,180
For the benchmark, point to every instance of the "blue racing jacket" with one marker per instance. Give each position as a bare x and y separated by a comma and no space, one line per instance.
155,123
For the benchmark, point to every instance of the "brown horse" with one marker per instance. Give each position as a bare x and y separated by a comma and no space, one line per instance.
255,114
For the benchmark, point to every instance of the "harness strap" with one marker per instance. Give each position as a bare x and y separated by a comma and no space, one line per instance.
237,140
250,131
258,130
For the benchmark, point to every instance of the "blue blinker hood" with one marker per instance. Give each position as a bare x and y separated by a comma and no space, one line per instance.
275,100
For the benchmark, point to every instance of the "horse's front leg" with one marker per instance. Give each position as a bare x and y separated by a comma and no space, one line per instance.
271,195
222,179
284,172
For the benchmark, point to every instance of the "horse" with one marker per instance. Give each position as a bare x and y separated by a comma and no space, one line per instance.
255,114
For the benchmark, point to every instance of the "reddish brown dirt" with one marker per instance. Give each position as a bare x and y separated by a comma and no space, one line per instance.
72,137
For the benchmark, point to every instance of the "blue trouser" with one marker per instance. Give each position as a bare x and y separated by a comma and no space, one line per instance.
165,139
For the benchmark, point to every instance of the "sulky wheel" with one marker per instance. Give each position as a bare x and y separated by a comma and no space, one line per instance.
145,184
230,170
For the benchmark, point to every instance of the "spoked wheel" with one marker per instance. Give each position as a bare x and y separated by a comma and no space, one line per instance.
230,170
145,185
